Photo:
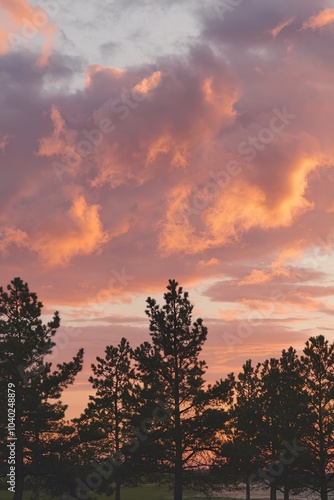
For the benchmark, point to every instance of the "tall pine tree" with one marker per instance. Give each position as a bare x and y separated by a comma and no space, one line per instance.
106,422
241,449
25,342
318,372
171,369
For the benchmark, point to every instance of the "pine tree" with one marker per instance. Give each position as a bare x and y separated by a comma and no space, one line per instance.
45,428
106,422
285,422
294,421
271,425
241,448
318,373
170,368
25,341
212,420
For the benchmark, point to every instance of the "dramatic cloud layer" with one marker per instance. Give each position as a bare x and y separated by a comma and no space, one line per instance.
213,165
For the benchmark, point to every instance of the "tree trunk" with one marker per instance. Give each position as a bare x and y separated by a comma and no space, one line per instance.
37,461
273,493
322,453
118,490
36,488
178,479
178,483
248,490
324,493
323,481
286,492
36,491
117,441
19,480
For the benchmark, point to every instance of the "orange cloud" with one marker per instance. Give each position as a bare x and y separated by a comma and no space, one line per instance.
22,22
81,234
161,146
11,236
4,141
208,90
324,18
288,254
238,208
156,136
53,145
256,276
245,206
208,263
62,142
231,314
176,232
109,174
93,69
165,145
280,27
149,83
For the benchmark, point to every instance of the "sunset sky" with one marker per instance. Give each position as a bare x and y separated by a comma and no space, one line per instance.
142,140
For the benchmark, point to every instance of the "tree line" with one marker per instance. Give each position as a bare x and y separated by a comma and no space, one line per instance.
152,417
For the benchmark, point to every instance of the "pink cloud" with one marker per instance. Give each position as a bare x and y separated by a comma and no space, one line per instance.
4,141
81,234
11,236
280,27
324,18
21,22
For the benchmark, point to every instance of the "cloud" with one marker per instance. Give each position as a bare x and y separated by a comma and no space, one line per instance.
63,143
280,27
115,319
324,18
149,83
56,143
11,236
256,276
109,48
210,262
181,158
97,71
4,141
273,295
239,208
22,22
81,233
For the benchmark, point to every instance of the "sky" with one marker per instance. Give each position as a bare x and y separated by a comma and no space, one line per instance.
145,140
